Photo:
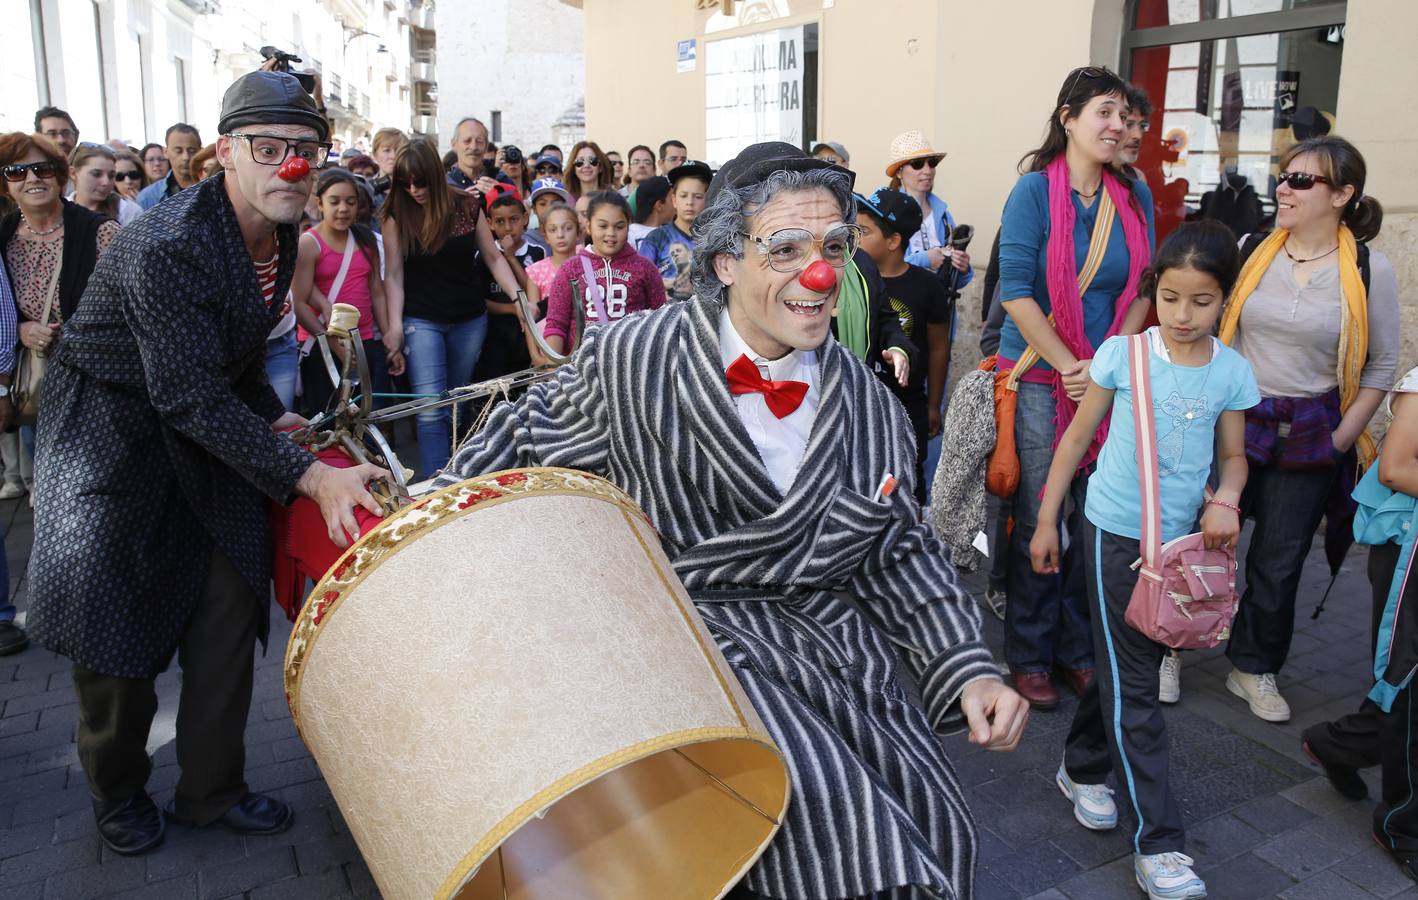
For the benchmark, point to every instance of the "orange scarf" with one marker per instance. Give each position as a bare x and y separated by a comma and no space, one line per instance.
1353,318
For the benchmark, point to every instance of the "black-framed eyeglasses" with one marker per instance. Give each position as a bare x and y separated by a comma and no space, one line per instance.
273,149
789,249
128,176
1301,181
19,171
919,164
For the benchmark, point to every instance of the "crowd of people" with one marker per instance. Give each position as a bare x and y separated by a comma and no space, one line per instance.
1269,356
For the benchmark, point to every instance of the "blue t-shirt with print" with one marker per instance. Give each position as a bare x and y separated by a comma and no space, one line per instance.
671,251
1186,403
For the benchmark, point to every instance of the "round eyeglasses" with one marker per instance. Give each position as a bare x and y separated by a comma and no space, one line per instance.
789,249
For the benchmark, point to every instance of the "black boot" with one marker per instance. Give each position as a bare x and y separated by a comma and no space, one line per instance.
129,827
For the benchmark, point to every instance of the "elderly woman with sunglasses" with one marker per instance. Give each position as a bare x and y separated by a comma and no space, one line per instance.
50,244
1315,311
588,170
913,169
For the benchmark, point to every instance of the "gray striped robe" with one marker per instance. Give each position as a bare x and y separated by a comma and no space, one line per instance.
876,805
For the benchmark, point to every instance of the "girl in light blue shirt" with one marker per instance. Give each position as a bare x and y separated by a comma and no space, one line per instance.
1200,390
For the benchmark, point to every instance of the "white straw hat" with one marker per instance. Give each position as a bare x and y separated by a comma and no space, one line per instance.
907,146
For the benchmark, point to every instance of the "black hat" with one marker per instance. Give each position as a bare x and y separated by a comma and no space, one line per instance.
691,168
758,161
269,98
897,211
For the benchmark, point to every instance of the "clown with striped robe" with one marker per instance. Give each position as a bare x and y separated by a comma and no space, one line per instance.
811,593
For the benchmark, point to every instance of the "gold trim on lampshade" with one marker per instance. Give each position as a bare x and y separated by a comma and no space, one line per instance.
511,695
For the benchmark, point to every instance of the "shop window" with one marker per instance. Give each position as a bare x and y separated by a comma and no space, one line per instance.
1227,105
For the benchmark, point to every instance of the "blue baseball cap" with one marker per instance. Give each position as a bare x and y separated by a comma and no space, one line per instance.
549,185
897,210
546,159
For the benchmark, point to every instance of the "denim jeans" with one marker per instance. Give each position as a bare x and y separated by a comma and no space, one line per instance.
440,356
1287,507
1046,620
281,359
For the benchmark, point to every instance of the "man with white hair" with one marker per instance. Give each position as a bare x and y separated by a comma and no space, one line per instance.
756,444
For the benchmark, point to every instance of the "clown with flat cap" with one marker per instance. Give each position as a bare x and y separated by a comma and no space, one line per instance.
757,445
157,455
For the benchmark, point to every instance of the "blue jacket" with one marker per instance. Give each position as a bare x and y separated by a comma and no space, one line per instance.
945,223
1385,516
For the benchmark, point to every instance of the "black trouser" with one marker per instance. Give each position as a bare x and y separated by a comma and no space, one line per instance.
216,653
1119,724
1287,507
1371,737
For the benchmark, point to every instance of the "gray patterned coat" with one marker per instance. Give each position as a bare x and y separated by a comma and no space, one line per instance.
154,443
876,805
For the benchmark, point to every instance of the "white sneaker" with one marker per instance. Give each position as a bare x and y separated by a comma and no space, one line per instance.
994,602
12,490
1169,688
1261,693
1093,804
1167,876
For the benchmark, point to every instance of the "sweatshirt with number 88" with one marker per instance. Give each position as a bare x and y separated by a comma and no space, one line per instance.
629,282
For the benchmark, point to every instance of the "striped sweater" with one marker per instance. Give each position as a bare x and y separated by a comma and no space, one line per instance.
809,594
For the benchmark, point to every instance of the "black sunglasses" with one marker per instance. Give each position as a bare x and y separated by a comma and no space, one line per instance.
1085,72
919,164
127,176
1301,181
417,183
17,172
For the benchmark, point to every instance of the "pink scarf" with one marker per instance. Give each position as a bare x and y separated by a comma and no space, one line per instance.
1062,276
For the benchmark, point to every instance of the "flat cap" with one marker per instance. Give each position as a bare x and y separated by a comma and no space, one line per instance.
269,98
757,161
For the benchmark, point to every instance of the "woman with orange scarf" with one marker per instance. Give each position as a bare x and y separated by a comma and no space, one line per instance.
1324,346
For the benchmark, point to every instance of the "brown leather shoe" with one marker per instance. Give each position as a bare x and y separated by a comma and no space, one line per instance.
1078,679
1037,688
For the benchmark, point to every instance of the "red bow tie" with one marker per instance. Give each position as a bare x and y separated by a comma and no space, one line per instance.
782,397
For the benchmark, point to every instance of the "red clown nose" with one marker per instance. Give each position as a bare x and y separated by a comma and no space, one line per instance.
293,169
818,277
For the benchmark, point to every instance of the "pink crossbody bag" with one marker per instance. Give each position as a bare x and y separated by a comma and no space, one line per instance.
1185,596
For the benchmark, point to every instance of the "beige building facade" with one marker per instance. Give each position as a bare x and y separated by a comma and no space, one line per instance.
1234,82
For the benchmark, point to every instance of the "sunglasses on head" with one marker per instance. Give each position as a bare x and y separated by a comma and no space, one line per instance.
416,183
1301,181
17,172
1085,72
919,164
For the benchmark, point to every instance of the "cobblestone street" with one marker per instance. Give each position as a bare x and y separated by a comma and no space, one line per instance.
1261,820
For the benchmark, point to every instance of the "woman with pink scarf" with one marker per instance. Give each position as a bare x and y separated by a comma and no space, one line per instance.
1070,184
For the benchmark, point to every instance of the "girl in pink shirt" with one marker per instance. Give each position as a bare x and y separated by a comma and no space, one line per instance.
320,258
620,281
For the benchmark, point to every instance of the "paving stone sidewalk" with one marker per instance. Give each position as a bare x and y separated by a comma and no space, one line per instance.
1261,821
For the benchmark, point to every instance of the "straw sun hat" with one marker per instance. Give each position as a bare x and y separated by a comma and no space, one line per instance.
907,146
